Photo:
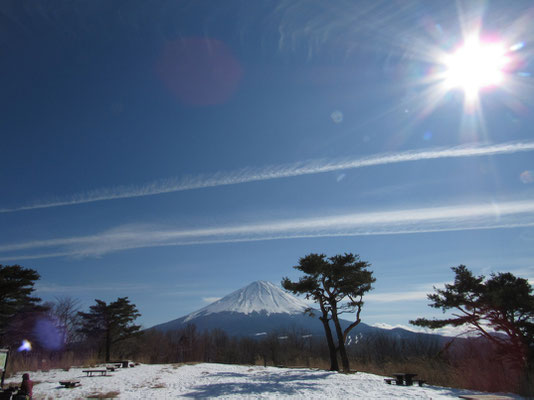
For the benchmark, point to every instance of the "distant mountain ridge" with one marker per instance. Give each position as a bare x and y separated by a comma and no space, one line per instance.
262,307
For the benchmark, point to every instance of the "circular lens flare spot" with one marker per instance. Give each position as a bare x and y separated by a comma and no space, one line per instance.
527,177
337,116
475,65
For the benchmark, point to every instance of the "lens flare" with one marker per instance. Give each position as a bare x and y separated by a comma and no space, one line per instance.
527,177
25,346
517,46
49,333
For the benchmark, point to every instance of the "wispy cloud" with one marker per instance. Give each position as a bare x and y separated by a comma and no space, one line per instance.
446,331
394,297
272,172
210,299
416,292
431,219
169,289
45,288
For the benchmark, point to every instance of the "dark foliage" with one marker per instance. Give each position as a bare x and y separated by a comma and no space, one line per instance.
337,284
16,303
502,303
110,323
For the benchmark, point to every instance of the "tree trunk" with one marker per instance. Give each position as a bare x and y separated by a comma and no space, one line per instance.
334,366
340,339
340,342
108,344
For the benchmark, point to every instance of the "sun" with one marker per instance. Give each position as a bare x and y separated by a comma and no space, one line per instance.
474,66
485,66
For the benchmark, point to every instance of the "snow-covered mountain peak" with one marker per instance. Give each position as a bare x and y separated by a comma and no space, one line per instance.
259,296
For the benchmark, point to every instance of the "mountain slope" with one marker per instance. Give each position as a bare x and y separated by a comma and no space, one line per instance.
258,297
262,307
256,308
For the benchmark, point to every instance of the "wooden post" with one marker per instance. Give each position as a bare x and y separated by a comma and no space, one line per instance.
4,355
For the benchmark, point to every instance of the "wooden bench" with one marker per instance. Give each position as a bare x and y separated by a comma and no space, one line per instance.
122,363
90,372
420,382
404,379
398,381
69,384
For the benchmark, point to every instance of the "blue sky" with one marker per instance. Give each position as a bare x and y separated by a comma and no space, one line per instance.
175,153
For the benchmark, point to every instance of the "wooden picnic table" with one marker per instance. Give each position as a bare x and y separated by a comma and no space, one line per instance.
123,363
90,372
403,378
69,383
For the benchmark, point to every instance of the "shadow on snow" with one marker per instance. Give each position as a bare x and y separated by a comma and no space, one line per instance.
282,383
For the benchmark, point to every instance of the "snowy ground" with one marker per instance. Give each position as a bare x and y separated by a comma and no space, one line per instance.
166,381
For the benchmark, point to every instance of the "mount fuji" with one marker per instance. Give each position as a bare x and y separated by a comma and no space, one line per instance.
258,308
258,297
262,307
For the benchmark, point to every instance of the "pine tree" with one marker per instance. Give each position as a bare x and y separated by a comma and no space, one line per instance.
503,303
110,323
16,287
337,284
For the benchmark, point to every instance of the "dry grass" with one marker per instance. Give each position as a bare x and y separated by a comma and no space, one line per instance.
434,372
464,374
22,362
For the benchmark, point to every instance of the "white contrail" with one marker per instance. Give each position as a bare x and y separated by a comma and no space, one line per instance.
273,172
431,219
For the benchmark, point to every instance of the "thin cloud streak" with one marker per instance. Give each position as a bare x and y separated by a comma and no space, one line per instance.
210,299
396,296
447,331
432,219
273,172
54,288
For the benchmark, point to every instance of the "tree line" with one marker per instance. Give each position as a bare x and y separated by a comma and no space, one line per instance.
57,325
